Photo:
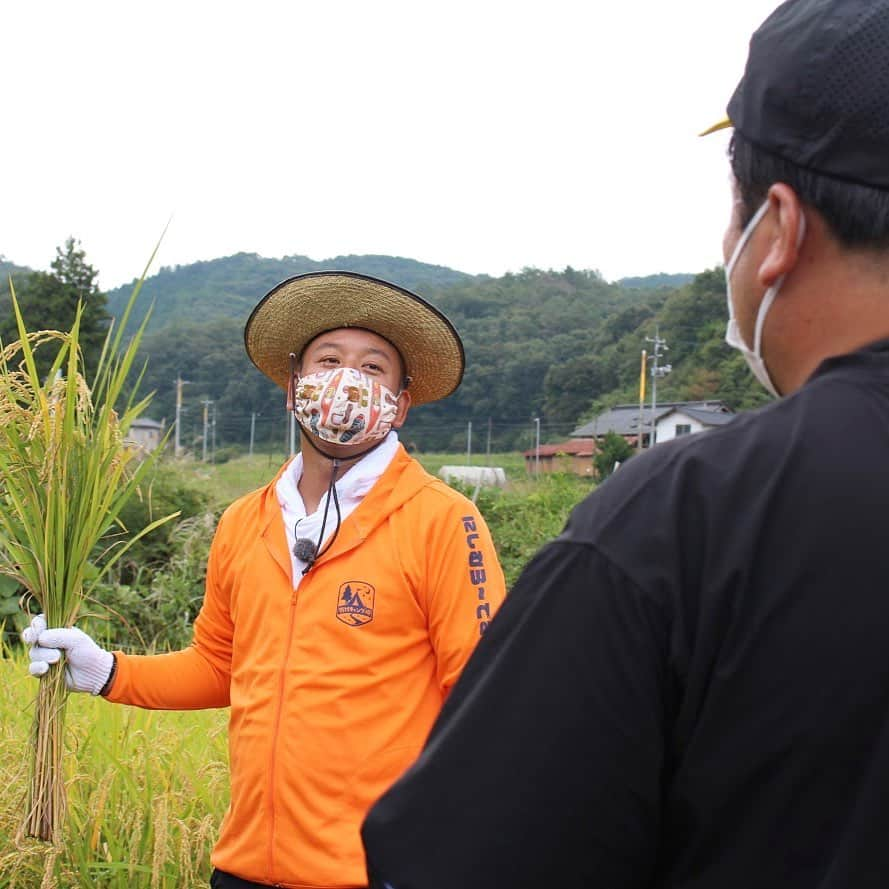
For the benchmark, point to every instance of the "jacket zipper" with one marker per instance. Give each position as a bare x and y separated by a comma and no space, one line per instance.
275,735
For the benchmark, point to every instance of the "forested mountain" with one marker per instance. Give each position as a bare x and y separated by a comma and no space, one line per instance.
691,319
539,344
8,269
650,282
231,286
516,330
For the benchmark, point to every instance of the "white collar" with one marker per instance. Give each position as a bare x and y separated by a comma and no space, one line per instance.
350,489
353,485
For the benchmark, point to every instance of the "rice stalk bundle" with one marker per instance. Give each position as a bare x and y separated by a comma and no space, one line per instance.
66,472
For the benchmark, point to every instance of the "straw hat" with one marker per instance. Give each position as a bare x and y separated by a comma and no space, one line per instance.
294,312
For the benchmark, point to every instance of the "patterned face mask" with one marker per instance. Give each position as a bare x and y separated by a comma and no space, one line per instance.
344,406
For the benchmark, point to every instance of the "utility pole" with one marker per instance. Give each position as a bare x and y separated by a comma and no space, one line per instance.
469,443
213,435
537,446
177,446
206,405
252,430
292,433
656,373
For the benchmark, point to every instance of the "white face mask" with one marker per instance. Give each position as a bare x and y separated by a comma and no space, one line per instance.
733,337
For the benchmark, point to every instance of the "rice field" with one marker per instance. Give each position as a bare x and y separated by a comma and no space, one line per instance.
146,793
147,790
227,481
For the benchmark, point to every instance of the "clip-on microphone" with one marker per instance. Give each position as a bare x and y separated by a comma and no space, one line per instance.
305,550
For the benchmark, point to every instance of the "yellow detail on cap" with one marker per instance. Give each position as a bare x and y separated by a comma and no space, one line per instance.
724,124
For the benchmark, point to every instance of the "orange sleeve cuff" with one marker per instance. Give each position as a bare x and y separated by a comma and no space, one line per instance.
181,680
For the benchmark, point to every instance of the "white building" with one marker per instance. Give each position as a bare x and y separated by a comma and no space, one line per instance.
671,419
145,433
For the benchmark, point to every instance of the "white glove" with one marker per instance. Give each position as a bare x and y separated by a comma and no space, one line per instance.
87,667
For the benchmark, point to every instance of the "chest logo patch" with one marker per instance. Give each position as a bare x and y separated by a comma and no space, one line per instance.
355,603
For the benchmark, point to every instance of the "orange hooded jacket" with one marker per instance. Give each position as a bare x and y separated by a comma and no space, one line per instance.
333,687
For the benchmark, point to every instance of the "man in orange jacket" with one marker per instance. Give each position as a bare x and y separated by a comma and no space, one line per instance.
342,599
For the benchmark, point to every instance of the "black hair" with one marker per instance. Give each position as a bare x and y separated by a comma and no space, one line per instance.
856,215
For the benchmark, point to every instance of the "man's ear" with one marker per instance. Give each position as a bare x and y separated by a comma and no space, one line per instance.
786,227
404,403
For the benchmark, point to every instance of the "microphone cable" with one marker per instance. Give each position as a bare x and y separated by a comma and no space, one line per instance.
306,549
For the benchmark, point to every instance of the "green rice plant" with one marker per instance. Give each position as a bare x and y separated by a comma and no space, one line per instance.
66,472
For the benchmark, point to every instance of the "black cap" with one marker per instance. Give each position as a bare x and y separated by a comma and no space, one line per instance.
816,88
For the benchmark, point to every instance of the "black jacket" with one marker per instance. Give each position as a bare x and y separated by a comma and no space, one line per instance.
690,687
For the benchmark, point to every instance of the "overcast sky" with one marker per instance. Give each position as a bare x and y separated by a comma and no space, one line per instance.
484,136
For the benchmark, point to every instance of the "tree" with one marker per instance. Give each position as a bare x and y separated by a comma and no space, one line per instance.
71,268
49,301
614,449
569,386
79,279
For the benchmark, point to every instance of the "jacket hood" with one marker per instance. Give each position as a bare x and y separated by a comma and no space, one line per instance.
402,480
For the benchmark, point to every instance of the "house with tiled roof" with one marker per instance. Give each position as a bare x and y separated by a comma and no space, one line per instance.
574,455
671,420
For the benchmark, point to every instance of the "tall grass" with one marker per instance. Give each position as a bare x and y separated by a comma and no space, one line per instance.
146,794
147,790
227,481
65,474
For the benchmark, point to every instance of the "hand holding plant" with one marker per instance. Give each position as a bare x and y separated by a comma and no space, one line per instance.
66,472
87,666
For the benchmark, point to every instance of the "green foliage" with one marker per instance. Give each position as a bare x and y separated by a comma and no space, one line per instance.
165,490
154,607
692,321
223,455
152,597
231,286
612,451
525,516
568,386
533,346
652,282
10,621
539,344
211,358
225,482
49,301
10,269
